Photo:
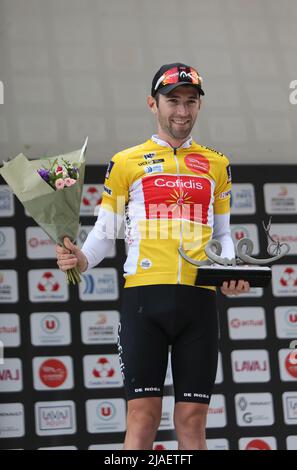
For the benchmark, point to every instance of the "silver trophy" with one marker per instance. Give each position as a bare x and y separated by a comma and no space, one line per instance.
215,270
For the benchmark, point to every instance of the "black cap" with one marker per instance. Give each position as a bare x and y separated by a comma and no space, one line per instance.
170,76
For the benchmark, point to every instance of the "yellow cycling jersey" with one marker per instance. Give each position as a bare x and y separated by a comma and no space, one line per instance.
169,198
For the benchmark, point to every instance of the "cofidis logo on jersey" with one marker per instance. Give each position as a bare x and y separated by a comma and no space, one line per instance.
175,197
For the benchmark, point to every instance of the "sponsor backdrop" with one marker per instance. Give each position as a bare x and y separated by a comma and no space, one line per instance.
60,382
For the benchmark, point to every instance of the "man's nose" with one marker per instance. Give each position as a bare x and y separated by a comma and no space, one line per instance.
182,110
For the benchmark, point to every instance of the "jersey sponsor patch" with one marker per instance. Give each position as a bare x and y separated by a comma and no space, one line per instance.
173,197
229,176
154,169
148,156
107,190
157,160
197,163
146,263
224,194
213,150
109,168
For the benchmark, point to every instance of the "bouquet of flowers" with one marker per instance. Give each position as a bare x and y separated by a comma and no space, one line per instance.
51,192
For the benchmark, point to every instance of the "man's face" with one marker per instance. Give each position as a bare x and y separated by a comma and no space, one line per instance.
177,111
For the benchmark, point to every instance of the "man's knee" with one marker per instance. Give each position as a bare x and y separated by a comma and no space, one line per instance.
190,416
144,414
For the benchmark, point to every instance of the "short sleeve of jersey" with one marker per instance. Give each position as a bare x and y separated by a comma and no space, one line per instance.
222,194
115,190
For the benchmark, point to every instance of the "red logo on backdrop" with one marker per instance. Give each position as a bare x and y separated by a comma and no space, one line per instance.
52,373
291,365
197,163
175,197
291,317
289,278
48,283
91,197
103,369
257,444
159,447
235,323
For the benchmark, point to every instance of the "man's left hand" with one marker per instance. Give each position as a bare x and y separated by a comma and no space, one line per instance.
235,288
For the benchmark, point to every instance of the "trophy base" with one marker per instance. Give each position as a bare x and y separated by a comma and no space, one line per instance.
257,276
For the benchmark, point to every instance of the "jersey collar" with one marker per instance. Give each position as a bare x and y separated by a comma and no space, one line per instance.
155,138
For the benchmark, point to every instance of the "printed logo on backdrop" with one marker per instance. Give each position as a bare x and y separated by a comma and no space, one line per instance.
6,201
216,416
246,323
53,373
254,292
38,244
9,292
47,285
217,444
243,199
100,284
280,198
246,231
257,443
11,375
286,321
106,415
291,442
250,365
102,371
284,280
12,420
55,418
219,376
83,232
167,414
91,199
290,407
254,409
285,233
100,327
287,365
10,330
50,328
7,243
165,445
115,446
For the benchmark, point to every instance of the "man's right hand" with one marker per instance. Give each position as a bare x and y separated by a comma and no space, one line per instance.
70,256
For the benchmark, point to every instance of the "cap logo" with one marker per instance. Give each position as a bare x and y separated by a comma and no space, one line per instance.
175,75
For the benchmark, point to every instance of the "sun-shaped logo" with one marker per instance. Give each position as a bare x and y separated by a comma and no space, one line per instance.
179,199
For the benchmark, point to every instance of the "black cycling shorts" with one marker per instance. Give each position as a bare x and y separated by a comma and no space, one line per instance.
157,316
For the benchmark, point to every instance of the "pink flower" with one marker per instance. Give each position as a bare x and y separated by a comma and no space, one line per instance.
59,183
59,169
69,181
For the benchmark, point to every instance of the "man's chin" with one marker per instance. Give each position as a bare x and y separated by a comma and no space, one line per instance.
181,133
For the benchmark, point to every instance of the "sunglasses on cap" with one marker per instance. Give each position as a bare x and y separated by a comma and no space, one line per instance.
177,76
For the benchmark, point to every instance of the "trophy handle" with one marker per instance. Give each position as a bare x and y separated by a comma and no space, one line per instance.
191,260
244,249
213,250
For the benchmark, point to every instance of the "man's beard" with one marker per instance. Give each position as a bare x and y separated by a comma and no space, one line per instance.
171,129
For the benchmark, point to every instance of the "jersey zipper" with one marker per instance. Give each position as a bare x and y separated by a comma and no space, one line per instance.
181,224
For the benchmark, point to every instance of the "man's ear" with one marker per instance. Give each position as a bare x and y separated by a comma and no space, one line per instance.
200,102
152,104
